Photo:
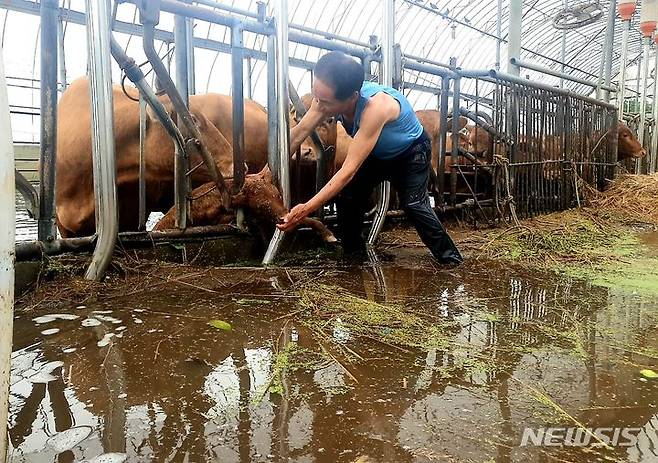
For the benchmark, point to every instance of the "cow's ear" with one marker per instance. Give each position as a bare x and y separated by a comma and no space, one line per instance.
462,123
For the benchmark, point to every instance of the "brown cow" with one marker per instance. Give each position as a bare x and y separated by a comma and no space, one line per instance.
75,190
75,193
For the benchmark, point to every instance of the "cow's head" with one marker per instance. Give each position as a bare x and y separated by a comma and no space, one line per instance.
479,141
628,146
326,131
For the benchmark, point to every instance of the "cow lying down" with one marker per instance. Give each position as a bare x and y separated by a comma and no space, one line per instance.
259,197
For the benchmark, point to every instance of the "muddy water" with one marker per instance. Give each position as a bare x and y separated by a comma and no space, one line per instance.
145,375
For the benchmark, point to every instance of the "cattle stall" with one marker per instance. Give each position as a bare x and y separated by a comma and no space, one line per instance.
545,140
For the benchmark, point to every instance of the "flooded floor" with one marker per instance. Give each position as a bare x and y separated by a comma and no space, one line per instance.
241,365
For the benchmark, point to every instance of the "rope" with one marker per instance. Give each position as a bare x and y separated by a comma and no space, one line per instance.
502,163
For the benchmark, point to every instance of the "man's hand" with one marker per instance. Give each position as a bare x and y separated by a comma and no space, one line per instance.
294,217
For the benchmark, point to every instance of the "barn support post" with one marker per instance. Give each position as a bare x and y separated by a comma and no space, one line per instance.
102,118
499,32
182,185
61,56
142,163
283,128
189,42
237,74
456,88
646,41
46,228
606,56
7,238
514,35
622,71
180,57
272,117
387,78
443,131
653,152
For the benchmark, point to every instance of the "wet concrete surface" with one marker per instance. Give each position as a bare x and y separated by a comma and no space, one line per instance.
144,376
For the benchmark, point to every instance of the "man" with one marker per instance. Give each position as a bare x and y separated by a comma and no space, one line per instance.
388,144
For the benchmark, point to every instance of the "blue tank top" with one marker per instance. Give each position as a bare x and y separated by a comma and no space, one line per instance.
396,136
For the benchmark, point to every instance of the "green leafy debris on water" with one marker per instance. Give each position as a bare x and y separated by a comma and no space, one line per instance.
650,374
220,324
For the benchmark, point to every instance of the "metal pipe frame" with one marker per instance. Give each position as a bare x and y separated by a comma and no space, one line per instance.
61,56
7,237
180,56
443,117
514,35
104,163
653,152
30,195
237,74
622,71
646,42
491,75
46,228
189,41
561,75
387,78
606,58
187,125
142,163
272,118
283,127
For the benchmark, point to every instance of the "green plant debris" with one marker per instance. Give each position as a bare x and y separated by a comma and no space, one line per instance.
220,324
386,323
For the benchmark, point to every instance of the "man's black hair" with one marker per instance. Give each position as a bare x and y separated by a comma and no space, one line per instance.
341,72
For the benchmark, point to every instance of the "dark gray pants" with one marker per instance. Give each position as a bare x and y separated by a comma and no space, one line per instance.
409,174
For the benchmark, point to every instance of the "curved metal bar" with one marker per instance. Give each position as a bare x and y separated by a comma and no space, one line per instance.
388,41
283,138
102,117
30,195
179,105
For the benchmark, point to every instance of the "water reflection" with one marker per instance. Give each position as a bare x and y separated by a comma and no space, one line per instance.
169,387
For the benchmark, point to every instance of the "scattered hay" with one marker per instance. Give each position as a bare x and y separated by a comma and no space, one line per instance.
633,198
390,324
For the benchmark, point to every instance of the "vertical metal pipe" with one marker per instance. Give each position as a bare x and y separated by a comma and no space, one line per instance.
606,56
388,43
283,132
191,76
7,238
643,90
653,152
443,130
499,31
622,70
182,85
248,83
142,163
272,119
514,35
61,56
563,55
237,73
107,226
46,224
180,53
454,155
